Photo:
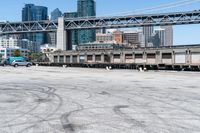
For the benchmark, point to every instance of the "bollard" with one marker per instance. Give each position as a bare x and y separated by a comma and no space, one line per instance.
37,65
140,69
108,68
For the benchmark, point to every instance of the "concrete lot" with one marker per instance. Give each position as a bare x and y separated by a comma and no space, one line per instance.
76,100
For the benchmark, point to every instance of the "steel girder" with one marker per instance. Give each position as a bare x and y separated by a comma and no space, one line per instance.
27,26
177,18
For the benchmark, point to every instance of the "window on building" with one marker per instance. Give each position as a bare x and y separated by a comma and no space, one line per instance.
129,56
89,57
117,56
166,55
98,57
151,56
138,56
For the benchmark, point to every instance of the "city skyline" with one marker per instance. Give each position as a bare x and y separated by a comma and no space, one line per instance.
31,12
188,32
111,8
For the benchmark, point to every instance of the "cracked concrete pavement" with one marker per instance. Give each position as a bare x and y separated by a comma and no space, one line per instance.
81,100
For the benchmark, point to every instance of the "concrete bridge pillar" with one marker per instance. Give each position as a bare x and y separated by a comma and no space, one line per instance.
61,35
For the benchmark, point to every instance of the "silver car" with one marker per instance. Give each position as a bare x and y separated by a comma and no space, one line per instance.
17,63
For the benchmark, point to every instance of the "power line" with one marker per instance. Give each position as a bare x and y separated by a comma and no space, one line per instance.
170,5
158,8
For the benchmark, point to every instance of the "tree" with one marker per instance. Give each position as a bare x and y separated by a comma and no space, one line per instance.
16,53
36,56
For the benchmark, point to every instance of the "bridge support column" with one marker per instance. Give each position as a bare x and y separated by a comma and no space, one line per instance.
61,35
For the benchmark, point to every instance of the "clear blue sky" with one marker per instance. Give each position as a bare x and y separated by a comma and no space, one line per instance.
11,10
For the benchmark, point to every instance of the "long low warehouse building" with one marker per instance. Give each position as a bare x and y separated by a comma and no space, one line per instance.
167,57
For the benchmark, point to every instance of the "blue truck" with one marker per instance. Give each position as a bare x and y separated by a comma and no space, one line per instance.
11,59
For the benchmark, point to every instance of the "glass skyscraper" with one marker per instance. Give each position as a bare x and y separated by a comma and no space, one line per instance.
72,34
86,8
148,33
34,13
55,14
52,36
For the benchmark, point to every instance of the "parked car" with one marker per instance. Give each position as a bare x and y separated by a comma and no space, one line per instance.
17,63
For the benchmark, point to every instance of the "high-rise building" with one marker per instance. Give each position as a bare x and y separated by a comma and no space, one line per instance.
51,36
163,36
148,33
55,14
102,31
86,8
70,14
118,36
132,38
8,52
155,41
34,13
100,37
159,33
72,34
168,35
19,43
